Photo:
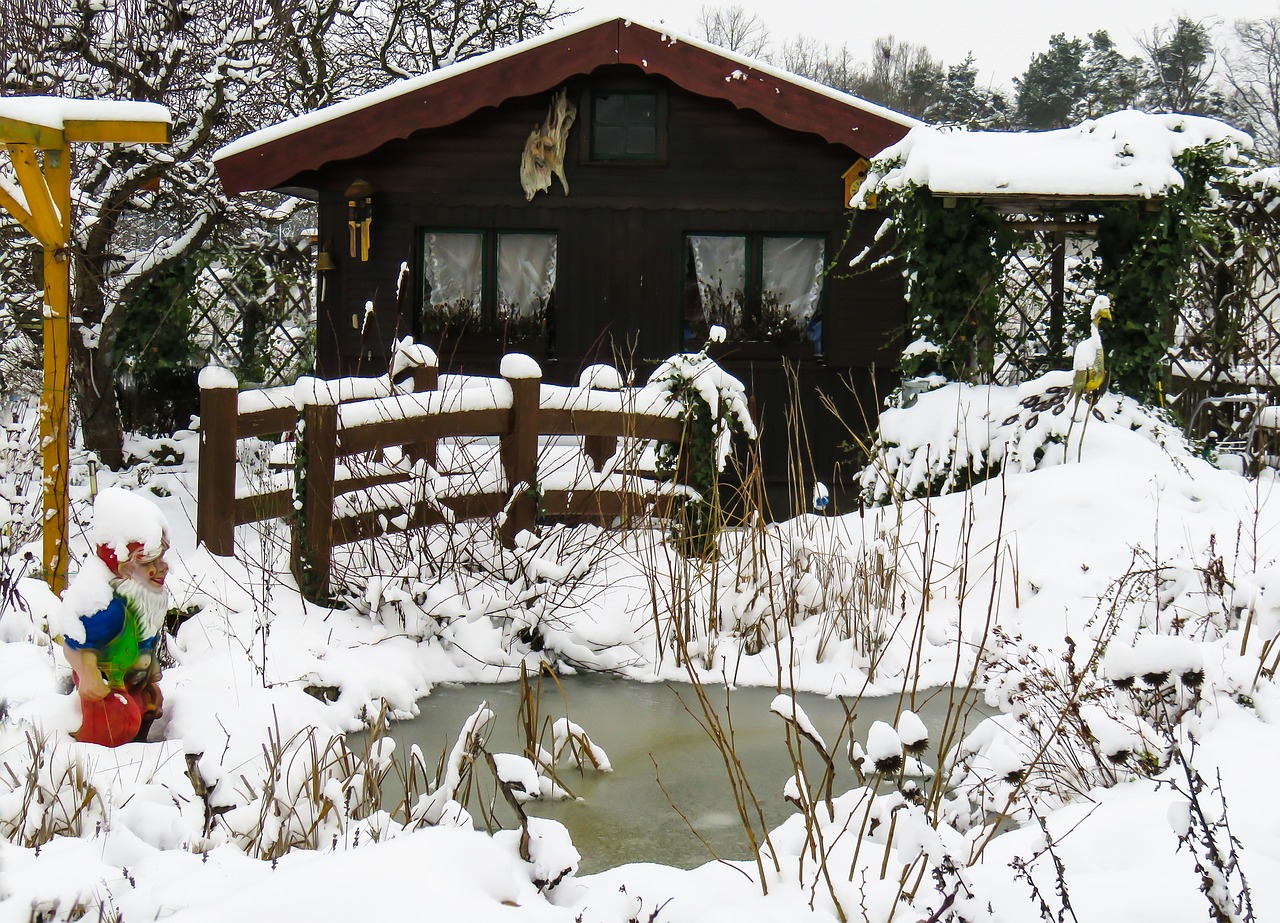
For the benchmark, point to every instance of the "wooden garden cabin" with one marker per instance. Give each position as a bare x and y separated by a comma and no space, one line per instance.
698,187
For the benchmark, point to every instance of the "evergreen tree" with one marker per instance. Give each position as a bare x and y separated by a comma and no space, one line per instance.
964,103
1181,64
1111,81
903,76
1049,90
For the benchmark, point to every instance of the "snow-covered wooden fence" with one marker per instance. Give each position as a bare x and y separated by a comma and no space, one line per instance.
413,449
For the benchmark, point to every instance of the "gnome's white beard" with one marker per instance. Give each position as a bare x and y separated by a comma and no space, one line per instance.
152,604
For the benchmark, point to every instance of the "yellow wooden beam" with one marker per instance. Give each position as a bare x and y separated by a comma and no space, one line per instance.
112,131
19,131
47,217
117,132
23,217
40,201
55,404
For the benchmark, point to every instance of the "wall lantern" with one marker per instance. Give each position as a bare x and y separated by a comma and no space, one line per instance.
324,264
359,196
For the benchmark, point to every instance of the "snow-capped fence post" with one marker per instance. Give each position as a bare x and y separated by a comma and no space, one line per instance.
519,447
425,378
216,478
312,546
600,448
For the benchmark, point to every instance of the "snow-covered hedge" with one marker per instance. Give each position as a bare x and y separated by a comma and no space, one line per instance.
958,435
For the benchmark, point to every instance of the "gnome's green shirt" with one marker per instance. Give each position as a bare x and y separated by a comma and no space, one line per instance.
115,635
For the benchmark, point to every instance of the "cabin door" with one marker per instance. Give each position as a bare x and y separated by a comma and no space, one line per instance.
620,284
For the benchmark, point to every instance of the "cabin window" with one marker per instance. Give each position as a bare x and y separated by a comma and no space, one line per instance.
488,282
757,287
627,126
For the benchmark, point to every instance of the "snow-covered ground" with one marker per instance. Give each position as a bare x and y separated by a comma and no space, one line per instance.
1119,599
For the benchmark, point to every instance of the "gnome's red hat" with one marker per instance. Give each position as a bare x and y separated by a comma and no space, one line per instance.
109,557
126,527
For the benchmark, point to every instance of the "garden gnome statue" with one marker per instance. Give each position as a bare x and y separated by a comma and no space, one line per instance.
111,616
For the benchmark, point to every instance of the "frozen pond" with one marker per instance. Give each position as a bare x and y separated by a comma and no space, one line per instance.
624,816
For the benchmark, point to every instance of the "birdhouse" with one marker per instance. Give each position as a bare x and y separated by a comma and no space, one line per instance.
853,180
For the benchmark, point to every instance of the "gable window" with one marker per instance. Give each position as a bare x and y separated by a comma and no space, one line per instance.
627,126
488,282
757,287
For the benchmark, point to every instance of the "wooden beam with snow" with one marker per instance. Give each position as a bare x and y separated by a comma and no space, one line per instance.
37,132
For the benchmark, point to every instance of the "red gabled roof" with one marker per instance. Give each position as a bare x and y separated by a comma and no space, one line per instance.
270,157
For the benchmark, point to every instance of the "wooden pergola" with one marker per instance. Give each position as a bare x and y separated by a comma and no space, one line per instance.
37,132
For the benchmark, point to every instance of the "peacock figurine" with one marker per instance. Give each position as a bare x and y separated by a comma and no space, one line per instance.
1089,365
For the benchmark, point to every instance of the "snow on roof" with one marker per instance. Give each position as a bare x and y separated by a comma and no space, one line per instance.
55,112
1125,153
365,100
413,84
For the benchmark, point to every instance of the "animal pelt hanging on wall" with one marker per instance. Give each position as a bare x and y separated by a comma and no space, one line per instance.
544,150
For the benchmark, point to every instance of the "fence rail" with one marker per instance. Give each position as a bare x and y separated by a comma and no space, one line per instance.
366,451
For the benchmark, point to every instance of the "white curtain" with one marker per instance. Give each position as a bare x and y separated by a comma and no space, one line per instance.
792,274
721,267
526,273
454,270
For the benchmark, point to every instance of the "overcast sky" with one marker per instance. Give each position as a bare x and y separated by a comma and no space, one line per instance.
1002,34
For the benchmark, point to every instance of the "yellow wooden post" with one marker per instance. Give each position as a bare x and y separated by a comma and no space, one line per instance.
38,140
55,404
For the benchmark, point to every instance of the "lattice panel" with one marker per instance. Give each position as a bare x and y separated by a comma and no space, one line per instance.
1035,325
1226,338
256,312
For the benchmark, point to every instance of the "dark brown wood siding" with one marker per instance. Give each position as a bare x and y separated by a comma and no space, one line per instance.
620,236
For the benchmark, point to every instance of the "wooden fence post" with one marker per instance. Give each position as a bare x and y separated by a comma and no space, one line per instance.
425,378
216,474
519,447
600,448
312,548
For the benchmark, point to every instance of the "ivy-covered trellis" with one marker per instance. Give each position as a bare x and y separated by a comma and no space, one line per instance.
961,202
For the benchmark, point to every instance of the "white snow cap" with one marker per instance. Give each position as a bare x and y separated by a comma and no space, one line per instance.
406,354
215,377
121,517
90,591
785,706
911,730
518,365
1154,655
55,111
821,496
716,334
600,376
1125,153
884,747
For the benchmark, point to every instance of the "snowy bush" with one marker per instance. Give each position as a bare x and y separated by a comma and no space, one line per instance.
714,407
958,435
45,789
